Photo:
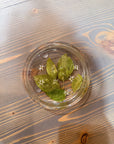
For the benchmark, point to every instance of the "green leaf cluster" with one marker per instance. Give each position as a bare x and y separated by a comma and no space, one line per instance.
49,82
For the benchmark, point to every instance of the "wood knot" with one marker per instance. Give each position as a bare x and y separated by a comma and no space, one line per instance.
84,138
13,113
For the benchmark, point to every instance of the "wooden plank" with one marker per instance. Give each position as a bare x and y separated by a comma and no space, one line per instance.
25,25
7,3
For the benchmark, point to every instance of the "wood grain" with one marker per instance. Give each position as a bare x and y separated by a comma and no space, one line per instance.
25,25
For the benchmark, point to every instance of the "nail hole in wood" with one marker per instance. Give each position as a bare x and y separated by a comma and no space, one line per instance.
13,113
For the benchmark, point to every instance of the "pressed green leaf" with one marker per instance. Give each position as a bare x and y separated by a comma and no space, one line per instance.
65,67
77,82
57,94
54,84
63,74
51,68
46,83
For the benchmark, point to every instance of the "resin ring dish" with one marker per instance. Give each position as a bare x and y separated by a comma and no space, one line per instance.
37,60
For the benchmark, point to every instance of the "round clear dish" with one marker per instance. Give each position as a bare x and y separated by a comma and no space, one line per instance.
37,60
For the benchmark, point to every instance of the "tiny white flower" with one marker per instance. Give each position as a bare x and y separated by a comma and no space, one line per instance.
76,67
71,78
41,67
41,82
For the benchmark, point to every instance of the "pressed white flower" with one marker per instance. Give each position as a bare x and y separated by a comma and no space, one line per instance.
41,82
76,67
41,67
71,78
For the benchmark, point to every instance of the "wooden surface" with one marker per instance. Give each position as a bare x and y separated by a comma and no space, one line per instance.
26,24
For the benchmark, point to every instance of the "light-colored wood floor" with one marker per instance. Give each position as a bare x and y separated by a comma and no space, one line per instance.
26,24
